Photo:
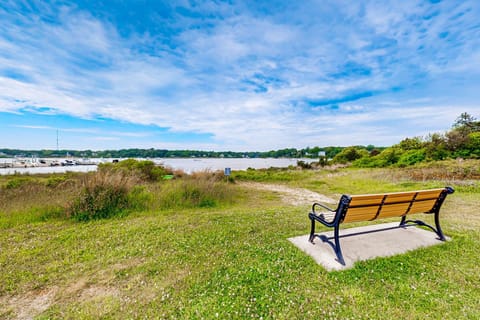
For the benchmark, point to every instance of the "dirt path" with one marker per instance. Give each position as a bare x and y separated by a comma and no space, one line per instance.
293,196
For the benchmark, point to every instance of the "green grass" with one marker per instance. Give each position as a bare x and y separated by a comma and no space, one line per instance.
233,261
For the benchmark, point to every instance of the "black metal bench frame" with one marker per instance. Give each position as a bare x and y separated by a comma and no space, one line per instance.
342,211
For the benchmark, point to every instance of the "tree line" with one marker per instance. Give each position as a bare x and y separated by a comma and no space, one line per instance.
462,141
164,153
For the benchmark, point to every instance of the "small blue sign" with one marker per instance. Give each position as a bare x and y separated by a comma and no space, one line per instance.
228,171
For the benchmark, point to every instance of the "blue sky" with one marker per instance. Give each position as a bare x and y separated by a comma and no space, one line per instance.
234,75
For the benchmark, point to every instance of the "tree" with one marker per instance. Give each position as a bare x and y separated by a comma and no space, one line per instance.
467,122
411,144
458,138
435,147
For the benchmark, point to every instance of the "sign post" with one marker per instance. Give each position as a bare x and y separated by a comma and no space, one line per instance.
227,172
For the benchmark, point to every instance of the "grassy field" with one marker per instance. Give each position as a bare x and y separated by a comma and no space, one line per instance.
231,259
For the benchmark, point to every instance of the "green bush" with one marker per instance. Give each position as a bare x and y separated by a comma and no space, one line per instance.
411,157
304,165
350,154
366,162
55,181
100,202
105,194
473,144
17,182
146,170
386,158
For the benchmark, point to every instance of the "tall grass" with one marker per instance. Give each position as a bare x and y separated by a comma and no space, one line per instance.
271,174
199,190
104,194
112,191
26,199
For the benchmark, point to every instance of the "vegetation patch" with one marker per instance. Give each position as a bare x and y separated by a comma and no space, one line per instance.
104,194
201,190
145,170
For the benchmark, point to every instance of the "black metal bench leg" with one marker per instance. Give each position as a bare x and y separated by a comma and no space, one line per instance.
312,231
402,223
439,229
338,250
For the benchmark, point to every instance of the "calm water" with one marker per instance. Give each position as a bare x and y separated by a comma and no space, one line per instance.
187,165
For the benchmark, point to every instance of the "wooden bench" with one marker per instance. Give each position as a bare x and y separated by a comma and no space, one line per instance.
370,207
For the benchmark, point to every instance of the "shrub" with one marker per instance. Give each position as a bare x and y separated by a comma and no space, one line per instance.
55,181
304,165
366,162
105,194
350,154
17,182
473,144
411,157
146,170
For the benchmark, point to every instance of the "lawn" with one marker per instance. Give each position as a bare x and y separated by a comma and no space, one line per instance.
233,261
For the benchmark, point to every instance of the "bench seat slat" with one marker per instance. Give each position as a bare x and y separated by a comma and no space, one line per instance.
398,197
394,210
419,207
365,200
431,194
361,214
353,218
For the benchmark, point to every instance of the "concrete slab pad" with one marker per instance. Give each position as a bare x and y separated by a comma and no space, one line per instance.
364,243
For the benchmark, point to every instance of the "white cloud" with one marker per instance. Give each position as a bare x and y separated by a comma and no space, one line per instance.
33,127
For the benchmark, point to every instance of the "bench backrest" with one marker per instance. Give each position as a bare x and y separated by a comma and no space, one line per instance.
377,206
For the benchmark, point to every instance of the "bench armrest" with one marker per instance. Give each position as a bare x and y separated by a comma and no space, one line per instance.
321,205
326,218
